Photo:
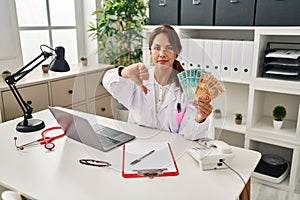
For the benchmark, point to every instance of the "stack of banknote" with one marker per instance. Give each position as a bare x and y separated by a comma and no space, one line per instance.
197,82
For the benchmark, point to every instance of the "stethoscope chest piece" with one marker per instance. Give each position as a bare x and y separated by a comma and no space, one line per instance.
49,146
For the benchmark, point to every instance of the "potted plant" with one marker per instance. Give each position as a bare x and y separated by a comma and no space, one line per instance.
83,60
279,113
118,32
217,114
5,74
238,118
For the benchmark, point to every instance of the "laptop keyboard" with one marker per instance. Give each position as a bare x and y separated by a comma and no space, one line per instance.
106,141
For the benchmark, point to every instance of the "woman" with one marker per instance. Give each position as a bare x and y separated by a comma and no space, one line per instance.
154,97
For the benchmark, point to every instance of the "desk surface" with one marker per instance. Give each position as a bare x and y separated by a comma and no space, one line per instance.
59,175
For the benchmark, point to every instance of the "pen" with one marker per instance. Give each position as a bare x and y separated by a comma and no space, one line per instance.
178,107
142,157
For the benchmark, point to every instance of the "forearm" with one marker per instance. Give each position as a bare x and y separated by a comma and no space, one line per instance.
192,129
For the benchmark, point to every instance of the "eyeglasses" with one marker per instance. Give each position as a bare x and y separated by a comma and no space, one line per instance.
168,49
95,163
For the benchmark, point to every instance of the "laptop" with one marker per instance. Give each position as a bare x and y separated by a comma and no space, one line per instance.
79,129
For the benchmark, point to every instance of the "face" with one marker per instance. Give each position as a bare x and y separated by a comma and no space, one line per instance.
162,52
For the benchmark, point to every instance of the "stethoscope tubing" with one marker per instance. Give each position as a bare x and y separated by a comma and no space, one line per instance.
45,141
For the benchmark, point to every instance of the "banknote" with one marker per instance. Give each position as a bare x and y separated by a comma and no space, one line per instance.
198,82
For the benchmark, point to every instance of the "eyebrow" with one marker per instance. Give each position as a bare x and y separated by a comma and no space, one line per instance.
161,45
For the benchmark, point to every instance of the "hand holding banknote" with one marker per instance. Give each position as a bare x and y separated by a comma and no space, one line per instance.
208,84
200,88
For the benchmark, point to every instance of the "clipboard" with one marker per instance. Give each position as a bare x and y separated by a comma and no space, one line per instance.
161,162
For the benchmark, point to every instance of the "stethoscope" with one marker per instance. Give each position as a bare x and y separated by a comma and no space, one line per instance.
46,141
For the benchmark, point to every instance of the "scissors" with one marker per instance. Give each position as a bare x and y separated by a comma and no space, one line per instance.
46,141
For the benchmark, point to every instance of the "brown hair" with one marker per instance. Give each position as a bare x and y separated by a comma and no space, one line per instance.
176,44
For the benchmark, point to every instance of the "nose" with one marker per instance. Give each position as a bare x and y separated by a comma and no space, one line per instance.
162,52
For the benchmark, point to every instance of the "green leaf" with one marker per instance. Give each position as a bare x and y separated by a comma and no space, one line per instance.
124,35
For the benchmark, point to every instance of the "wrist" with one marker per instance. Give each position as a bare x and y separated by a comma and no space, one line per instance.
120,69
200,121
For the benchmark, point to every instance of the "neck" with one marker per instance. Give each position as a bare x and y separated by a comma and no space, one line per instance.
162,75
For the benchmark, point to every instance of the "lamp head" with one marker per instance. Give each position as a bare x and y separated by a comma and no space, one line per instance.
59,64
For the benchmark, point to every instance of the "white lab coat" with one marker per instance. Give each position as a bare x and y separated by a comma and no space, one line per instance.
142,109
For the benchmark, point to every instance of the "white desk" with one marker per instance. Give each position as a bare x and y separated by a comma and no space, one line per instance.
58,174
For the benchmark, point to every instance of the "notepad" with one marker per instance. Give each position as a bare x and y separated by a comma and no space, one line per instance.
162,159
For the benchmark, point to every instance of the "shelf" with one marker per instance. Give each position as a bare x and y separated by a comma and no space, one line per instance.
264,128
277,85
227,123
235,81
265,124
284,185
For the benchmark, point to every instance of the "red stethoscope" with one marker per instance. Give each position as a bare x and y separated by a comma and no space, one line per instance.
46,141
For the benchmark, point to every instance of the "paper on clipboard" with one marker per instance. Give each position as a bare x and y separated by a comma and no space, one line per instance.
162,158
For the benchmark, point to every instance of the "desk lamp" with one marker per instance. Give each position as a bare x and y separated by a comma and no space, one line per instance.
58,64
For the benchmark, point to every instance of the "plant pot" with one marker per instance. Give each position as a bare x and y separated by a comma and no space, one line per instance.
238,121
45,68
277,124
217,115
5,75
84,62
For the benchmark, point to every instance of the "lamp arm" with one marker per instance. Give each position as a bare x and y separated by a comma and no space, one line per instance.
14,78
23,72
25,106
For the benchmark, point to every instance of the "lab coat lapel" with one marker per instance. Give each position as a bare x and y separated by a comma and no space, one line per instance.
171,96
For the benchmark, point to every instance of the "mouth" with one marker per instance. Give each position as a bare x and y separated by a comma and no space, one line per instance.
162,61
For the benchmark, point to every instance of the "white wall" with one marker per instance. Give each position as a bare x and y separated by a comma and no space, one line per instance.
10,47
90,45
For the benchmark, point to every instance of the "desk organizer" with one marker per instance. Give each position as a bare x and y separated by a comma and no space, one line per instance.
282,63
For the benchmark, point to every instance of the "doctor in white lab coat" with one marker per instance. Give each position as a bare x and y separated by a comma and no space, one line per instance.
153,96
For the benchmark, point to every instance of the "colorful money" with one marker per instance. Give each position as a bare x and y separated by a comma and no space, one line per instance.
197,82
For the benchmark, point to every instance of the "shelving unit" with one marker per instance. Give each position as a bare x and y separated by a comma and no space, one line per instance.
255,97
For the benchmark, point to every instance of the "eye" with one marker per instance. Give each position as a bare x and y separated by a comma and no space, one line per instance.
156,48
169,48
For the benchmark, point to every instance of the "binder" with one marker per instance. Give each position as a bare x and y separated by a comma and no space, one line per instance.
183,57
196,52
216,58
237,47
226,59
247,61
208,48
162,158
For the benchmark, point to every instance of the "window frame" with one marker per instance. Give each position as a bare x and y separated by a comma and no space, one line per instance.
79,28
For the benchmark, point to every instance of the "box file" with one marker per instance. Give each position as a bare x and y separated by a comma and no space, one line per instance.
183,56
277,13
226,59
235,12
207,57
216,58
197,12
164,12
236,59
247,61
196,53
